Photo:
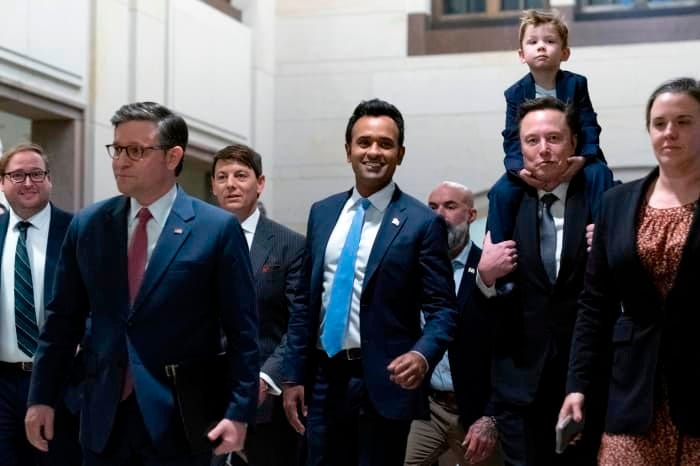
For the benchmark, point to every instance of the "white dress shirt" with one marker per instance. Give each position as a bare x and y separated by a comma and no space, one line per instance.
37,240
557,208
373,219
160,209
249,225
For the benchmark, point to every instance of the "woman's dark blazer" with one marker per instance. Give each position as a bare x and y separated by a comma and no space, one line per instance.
650,336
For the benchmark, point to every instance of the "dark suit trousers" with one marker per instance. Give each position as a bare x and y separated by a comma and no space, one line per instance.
130,445
343,428
15,450
527,432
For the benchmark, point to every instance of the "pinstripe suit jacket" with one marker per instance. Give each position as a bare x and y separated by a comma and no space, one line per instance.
276,256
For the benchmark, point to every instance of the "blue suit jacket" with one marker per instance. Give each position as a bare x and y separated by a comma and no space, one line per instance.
57,231
198,281
573,90
408,270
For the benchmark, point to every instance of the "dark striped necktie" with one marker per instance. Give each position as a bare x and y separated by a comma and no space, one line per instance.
25,313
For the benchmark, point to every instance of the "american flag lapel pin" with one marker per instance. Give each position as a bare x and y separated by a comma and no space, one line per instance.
395,221
177,231
471,270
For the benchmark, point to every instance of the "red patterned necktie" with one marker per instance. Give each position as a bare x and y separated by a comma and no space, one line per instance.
138,252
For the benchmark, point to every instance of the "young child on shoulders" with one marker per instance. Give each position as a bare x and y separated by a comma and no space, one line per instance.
543,40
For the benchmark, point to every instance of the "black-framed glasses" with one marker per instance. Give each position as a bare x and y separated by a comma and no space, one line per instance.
18,176
135,153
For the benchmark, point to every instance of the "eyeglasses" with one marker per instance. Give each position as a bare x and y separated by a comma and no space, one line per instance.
135,153
17,177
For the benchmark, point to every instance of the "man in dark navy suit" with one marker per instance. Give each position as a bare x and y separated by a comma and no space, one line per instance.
40,228
276,255
375,257
161,276
544,265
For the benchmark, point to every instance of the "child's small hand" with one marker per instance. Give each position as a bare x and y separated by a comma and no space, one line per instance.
575,164
527,177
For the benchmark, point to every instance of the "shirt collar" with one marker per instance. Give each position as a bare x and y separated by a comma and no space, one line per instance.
159,209
559,191
39,220
462,256
251,223
379,200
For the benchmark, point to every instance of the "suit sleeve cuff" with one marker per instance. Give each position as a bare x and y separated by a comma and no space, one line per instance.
274,389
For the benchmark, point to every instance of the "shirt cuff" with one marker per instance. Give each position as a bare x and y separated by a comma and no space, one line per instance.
488,291
427,366
273,388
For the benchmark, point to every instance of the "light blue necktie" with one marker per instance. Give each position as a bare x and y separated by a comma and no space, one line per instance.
338,308
25,314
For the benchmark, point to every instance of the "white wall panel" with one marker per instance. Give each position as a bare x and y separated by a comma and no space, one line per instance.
210,70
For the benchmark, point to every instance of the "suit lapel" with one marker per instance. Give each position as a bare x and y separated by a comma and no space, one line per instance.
175,231
114,235
467,284
327,219
574,232
392,223
260,247
53,248
530,233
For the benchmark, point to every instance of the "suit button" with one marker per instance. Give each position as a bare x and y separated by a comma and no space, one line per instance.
130,324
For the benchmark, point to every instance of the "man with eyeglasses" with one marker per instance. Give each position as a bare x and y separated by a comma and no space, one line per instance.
161,276
33,231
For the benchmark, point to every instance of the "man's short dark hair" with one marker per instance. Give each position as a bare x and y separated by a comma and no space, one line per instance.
172,129
375,108
242,154
550,103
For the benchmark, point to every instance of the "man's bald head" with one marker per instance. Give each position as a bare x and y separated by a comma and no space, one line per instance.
455,203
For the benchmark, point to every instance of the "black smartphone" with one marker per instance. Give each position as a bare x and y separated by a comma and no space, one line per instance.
566,430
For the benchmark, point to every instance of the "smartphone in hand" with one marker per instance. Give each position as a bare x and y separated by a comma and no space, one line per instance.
566,430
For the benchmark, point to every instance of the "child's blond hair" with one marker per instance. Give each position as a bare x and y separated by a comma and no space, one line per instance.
536,18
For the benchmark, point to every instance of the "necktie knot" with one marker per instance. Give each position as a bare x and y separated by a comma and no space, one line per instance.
365,203
549,199
144,215
22,227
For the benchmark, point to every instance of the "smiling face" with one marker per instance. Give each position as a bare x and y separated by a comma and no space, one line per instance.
542,48
674,129
236,187
546,143
374,153
28,197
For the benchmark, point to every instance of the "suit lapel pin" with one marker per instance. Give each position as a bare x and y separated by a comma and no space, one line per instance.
177,231
471,270
395,222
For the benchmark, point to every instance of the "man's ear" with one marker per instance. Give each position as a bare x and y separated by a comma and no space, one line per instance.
174,155
399,156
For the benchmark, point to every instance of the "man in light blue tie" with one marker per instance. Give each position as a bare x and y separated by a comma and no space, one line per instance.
374,258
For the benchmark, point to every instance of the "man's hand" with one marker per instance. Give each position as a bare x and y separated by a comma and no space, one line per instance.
232,434
590,229
527,177
573,406
262,392
480,441
574,165
38,424
497,260
408,370
293,402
